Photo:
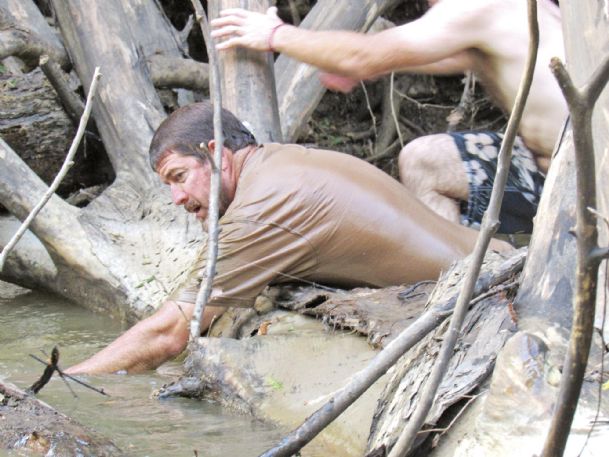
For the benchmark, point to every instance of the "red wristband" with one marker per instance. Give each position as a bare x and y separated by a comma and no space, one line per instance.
272,34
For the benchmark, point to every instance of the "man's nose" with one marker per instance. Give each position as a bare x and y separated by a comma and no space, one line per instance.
178,196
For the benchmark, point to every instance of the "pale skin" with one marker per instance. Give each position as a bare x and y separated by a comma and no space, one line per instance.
164,334
488,37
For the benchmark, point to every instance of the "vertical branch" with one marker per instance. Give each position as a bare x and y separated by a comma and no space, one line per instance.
67,164
581,104
212,215
393,110
490,223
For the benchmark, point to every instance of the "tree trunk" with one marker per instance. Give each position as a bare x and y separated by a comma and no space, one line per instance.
23,20
248,82
30,425
298,88
547,289
126,250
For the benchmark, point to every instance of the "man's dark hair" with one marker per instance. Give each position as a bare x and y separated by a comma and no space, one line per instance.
186,128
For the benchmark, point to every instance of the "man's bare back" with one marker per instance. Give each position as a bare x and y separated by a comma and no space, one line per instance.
500,60
489,38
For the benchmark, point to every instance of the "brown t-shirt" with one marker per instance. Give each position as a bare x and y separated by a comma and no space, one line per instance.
326,217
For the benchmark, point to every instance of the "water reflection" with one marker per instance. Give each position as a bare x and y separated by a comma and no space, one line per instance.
139,425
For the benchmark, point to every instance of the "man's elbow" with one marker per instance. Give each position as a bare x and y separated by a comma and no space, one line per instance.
168,332
359,66
173,345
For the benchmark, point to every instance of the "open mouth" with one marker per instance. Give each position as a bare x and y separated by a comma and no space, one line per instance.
193,207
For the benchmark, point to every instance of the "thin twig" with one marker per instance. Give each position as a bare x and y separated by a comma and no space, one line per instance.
456,116
393,113
602,364
61,373
387,152
67,164
581,104
490,223
372,116
214,193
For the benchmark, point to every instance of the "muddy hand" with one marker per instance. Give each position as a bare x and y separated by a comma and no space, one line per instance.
245,28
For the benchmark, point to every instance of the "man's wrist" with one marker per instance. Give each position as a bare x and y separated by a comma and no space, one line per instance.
270,42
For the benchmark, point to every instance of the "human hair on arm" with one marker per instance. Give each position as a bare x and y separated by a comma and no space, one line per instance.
147,344
446,30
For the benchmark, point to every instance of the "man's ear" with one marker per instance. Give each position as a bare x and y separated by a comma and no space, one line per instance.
211,147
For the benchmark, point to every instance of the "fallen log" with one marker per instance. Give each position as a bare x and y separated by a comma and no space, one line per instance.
24,33
28,424
237,372
35,125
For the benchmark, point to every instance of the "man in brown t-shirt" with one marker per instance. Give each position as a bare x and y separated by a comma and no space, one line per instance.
288,214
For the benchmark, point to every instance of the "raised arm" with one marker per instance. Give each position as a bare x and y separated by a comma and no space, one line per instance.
439,37
148,343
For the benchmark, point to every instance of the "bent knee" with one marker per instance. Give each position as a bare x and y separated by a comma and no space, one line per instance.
426,159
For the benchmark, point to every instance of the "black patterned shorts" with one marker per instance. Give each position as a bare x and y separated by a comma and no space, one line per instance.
479,152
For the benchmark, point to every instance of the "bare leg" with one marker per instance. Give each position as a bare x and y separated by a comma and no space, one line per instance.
431,168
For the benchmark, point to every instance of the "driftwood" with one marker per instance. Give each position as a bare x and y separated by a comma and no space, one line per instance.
71,102
67,164
176,72
30,425
34,123
485,330
24,33
132,227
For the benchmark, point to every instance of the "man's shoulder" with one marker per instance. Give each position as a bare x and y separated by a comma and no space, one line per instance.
276,159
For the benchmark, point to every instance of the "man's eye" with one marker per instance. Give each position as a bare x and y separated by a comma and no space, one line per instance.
179,177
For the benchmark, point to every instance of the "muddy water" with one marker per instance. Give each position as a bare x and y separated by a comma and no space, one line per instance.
32,322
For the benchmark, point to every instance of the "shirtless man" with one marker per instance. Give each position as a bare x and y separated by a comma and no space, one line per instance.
288,214
451,173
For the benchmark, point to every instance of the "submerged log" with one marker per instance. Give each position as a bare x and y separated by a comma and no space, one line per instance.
265,373
30,425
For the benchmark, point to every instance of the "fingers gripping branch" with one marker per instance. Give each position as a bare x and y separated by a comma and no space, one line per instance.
240,27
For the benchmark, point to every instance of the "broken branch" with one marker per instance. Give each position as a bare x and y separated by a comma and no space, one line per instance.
214,194
589,255
174,72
